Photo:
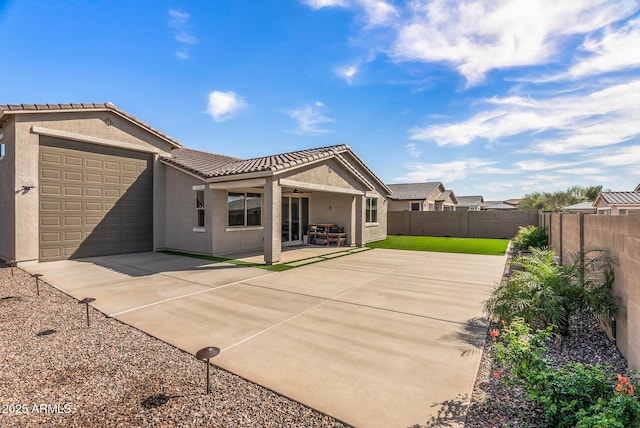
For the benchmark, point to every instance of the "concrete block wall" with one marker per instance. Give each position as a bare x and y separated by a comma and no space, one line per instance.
620,237
460,224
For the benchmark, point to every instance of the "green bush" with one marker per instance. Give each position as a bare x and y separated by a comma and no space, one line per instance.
531,236
544,293
575,395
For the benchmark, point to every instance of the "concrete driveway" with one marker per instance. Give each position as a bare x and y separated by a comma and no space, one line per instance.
380,338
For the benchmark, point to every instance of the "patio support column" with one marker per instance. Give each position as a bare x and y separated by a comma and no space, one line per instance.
360,220
272,221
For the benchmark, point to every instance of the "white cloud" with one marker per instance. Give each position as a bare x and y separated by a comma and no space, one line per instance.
614,50
319,4
445,171
223,105
376,12
476,36
309,120
180,23
413,150
577,121
347,72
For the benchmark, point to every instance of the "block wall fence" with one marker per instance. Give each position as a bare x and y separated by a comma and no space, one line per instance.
619,235
460,224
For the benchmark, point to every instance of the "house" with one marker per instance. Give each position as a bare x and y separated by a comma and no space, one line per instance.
469,203
428,196
617,203
498,206
582,207
81,180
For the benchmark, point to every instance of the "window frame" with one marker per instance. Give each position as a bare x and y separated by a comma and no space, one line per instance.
200,211
371,210
248,219
412,204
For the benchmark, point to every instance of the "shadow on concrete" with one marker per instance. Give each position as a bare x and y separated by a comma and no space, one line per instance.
473,333
451,413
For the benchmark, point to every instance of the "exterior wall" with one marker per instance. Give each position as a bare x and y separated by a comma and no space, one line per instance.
26,147
180,214
620,237
329,173
473,224
377,231
405,205
231,239
8,195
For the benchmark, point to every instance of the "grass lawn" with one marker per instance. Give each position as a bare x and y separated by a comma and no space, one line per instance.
275,268
492,247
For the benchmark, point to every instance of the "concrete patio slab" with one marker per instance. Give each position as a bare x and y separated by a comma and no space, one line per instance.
379,338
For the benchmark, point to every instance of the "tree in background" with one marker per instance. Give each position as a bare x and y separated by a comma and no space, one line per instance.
555,201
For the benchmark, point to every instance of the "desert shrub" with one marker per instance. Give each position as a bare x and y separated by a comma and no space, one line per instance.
544,293
531,236
574,395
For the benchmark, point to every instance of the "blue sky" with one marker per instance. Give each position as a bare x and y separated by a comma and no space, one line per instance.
498,98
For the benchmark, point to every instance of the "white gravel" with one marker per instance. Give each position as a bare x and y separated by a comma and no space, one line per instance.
57,372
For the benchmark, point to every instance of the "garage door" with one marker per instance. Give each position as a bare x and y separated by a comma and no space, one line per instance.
94,200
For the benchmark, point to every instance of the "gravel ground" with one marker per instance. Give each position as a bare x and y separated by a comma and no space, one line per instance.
494,404
57,372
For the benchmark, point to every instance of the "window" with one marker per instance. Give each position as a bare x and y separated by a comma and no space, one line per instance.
2,149
245,209
415,206
372,210
200,208
622,211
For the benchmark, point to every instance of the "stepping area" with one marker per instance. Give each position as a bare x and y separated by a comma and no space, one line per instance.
378,338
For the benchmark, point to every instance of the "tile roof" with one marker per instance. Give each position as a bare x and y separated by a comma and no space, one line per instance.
469,201
621,198
210,165
413,190
587,205
39,108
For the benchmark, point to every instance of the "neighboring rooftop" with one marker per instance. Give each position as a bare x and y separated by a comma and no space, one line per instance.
8,109
413,191
582,206
447,194
621,198
470,201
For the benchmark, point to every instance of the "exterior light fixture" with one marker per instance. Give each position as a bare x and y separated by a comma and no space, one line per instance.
206,354
37,277
86,301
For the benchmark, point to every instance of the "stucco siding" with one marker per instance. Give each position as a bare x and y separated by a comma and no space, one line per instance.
100,124
330,173
8,188
26,152
230,239
181,215
377,231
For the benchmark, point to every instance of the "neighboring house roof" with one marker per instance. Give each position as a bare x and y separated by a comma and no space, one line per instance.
413,191
514,202
470,201
619,198
447,195
637,189
210,165
582,206
497,205
10,109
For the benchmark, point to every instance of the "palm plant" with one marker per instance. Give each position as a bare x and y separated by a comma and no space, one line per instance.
547,294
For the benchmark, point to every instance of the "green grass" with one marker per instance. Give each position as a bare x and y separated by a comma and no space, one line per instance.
492,247
275,268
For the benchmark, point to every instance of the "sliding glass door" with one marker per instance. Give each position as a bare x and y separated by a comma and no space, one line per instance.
295,212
